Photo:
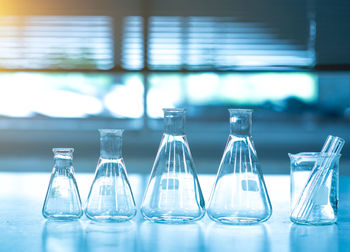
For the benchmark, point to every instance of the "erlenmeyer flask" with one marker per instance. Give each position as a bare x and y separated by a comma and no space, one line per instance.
110,197
62,200
239,195
173,193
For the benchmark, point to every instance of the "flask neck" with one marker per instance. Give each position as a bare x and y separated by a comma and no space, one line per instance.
174,121
63,163
63,157
240,122
111,144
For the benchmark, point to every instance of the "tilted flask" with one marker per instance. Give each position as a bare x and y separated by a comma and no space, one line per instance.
173,193
239,195
62,201
110,197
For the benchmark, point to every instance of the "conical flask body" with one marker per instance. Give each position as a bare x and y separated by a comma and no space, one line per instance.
239,195
173,193
62,200
110,197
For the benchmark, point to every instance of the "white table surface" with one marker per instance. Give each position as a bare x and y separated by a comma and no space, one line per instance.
22,227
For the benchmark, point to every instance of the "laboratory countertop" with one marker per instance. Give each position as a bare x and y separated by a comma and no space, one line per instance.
22,227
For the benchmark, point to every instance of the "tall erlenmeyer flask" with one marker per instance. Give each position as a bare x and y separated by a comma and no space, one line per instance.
110,197
239,195
173,193
62,200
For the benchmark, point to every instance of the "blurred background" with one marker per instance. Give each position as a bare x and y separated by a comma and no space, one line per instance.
70,67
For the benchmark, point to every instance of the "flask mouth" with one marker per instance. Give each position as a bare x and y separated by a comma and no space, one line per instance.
116,132
174,111
240,111
65,153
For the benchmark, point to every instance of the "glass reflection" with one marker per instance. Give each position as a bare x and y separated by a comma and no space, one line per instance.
302,238
253,238
62,236
110,236
171,238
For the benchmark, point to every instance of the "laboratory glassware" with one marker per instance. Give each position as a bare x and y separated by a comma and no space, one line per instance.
307,209
326,202
62,201
173,193
110,197
239,195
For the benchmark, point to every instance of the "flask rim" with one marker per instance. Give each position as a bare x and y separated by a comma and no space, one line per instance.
174,110
63,150
235,110
111,131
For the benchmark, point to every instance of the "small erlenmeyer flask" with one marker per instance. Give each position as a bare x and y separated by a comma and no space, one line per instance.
62,200
110,197
239,195
173,193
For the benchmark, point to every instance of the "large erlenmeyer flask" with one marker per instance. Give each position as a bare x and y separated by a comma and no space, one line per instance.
110,197
173,193
239,195
62,200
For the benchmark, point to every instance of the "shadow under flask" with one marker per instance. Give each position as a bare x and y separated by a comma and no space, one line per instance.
62,201
110,198
239,195
173,193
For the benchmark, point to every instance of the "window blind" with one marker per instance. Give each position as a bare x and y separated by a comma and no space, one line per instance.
132,52
56,42
173,35
221,43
